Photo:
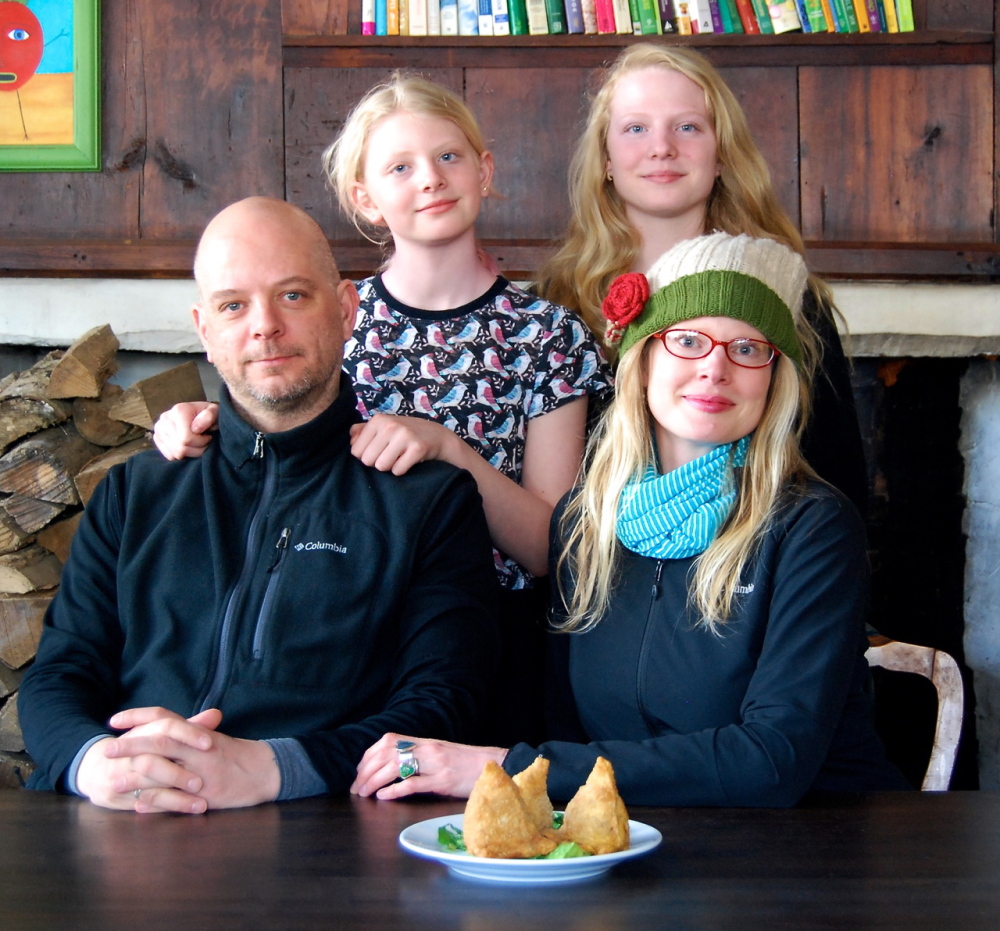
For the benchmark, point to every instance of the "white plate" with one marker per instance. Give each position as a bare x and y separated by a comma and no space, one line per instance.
421,840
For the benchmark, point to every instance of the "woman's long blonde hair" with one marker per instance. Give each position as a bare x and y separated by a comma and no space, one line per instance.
344,159
601,243
622,449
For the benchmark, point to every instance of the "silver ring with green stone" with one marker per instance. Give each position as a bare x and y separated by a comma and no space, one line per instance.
408,766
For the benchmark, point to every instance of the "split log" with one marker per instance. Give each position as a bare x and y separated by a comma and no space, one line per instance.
90,476
86,365
31,514
10,680
90,415
15,768
21,618
57,537
12,536
29,570
11,738
144,401
33,382
43,466
20,417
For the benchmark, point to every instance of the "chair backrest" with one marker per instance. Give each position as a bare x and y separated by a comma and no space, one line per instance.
943,671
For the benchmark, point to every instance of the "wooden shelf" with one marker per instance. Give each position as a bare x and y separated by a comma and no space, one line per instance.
934,47
973,262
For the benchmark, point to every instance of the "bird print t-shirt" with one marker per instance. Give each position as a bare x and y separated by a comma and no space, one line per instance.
482,370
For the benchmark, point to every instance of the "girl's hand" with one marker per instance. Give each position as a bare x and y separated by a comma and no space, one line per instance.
445,768
182,431
395,444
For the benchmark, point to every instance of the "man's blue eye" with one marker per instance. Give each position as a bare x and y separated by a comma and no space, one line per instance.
294,295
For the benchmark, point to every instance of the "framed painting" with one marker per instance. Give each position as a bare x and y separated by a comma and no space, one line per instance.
50,85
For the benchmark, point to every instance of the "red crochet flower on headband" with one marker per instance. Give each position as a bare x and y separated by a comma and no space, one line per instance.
626,298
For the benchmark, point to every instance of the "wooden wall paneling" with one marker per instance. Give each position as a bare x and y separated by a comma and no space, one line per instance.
769,97
976,15
317,101
315,17
531,118
105,203
897,154
211,76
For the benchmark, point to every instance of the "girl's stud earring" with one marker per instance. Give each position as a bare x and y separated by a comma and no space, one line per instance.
609,176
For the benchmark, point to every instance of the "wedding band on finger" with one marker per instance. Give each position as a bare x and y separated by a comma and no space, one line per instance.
408,766
136,792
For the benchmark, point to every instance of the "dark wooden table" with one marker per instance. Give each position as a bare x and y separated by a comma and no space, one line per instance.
891,861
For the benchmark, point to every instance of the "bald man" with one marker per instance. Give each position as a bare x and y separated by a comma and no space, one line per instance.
240,627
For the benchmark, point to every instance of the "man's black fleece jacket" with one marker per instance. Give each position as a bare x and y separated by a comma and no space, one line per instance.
279,579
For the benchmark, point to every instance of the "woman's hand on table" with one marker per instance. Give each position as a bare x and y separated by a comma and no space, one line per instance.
443,767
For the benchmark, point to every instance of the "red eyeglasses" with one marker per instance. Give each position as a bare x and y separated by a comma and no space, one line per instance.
691,344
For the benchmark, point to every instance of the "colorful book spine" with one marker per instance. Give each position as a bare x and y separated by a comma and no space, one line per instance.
404,17
734,16
484,21
418,17
800,8
433,17
816,16
381,18
392,17
684,24
633,14
589,8
574,17
449,17
716,16
874,16
518,17
726,16
763,17
831,17
701,17
468,17
904,13
649,18
784,16
501,18
860,15
668,16
888,11
605,17
750,25
623,17
555,16
367,17
538,22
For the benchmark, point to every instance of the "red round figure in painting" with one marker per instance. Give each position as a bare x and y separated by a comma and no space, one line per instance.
20,45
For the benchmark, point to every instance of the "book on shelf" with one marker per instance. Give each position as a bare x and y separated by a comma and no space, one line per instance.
367,17
831,19
404,17
763,17
904,13
468,17
874,17
605,17
418,17
449,17
574,17
701,17
589,9
518,17
633,13
889,19
381,18
716,15
538,22
501,18
667,15
750,25
484,21
816,17
392,17
784,16
555,16
725,16
623,17
649,18
860,15
736,26
433,17
683,19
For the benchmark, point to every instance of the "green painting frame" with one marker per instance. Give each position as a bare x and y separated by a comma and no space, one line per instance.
84,153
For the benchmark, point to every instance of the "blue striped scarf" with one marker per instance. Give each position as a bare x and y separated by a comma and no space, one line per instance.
677,515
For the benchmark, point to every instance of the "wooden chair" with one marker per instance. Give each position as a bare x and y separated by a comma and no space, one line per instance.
943,671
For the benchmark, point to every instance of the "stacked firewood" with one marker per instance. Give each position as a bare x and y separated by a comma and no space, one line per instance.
63,425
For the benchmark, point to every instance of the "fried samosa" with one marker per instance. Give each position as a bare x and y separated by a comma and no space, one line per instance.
596,817
532,783
497,824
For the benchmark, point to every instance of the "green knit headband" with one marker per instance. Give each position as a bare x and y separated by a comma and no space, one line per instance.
717,294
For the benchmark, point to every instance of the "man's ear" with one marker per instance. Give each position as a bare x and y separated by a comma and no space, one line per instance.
365,205
347,294
200,329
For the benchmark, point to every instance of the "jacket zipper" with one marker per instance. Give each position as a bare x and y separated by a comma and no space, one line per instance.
640,678
221,675
274,573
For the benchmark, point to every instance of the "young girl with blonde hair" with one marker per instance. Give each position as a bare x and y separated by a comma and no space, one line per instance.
666,154
449,360
712,589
